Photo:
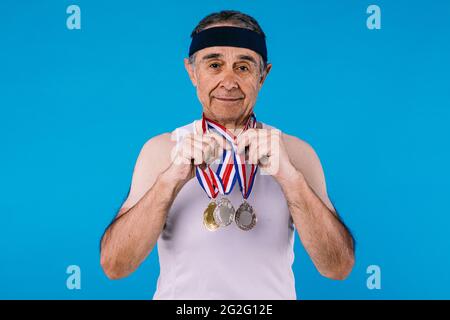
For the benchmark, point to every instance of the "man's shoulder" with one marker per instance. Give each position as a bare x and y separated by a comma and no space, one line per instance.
166,140
294,145
160,141
305,159
156,150
301,152
297,143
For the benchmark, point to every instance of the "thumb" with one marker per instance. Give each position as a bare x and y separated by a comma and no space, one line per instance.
221,141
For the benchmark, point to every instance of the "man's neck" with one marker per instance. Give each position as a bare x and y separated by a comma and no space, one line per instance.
234,125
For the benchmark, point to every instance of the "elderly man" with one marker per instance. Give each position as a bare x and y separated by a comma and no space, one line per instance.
224,229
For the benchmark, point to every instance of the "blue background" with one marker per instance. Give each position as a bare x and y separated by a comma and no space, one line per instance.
77,106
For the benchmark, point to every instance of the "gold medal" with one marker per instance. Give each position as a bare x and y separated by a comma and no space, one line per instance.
245,217
208,217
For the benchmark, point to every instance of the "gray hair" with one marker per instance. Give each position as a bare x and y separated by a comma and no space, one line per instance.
234,18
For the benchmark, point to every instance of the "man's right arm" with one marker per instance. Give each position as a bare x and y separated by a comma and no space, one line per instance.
157,179
134,232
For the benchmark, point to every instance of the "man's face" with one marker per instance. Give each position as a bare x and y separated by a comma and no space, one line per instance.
228,80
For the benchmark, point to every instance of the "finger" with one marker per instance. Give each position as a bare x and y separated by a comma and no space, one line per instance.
198,145
257,147
198,149
247,137
242,141
263,155
208,154
206,140
191,154
210,148
221,142
197,155
253,153
193,149
186,151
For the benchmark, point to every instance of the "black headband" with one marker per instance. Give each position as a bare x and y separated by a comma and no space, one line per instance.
229,37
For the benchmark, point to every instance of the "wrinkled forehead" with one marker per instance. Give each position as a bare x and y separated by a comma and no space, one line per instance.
227,54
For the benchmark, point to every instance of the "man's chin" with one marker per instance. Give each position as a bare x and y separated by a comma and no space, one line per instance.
227,107
227,112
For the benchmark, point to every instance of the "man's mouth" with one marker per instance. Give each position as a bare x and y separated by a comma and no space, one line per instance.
228,99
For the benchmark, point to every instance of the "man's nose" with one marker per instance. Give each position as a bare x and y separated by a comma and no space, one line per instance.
229,80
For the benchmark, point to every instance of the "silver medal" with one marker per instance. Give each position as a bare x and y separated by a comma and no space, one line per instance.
224,212
245,216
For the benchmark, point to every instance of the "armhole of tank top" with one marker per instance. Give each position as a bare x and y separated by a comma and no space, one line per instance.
194,128
180,132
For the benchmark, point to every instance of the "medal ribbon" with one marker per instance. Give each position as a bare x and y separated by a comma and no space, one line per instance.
207,179
224,178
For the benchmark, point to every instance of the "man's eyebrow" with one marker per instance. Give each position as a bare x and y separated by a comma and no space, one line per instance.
248,58
212,56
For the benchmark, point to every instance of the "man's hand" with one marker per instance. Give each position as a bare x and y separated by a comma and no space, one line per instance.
324,236
266,148
195,149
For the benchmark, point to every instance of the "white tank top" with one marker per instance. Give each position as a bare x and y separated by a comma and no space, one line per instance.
228,263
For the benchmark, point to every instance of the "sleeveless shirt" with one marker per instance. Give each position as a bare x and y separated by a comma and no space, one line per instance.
228,263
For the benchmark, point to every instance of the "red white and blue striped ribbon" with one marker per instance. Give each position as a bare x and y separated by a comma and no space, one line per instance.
207,179
231,168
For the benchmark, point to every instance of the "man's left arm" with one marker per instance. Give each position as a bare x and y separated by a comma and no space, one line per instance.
296,167
325,238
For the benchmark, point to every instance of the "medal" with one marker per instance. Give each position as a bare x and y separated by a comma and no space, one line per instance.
232,168
224,212
208,217
245,216
208,182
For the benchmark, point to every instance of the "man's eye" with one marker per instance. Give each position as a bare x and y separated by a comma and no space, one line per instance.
214,65
243,68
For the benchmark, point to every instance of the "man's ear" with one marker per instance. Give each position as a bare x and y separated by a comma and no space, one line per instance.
190,71
263,78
